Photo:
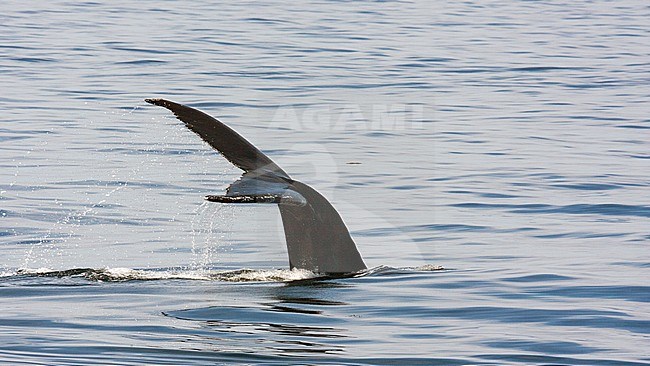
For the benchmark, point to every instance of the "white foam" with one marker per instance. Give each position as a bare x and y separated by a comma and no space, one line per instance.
7,274
429,267
282,275
120,274
128,274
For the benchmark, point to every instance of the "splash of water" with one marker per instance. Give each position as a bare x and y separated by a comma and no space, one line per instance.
50,243
206,242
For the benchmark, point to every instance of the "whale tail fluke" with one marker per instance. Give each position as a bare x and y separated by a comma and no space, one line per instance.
317,238
222,138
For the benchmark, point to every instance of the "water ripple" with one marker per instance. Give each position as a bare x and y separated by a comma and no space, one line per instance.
527,174
608,209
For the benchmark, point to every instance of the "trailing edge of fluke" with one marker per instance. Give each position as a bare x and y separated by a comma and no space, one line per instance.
317,239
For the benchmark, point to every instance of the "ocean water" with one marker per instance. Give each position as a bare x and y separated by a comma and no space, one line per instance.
491,159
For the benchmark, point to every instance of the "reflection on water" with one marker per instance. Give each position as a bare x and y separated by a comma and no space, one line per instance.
294,320
290,329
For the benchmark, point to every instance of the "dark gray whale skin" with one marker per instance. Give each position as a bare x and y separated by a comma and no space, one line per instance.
317,238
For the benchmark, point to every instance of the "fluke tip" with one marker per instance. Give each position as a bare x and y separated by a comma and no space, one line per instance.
156,101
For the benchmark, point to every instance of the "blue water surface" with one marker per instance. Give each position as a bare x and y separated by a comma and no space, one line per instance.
491,160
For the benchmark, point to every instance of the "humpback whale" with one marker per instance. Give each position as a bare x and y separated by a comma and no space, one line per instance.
317,238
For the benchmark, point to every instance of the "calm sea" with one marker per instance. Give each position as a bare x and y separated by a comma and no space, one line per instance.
491,159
